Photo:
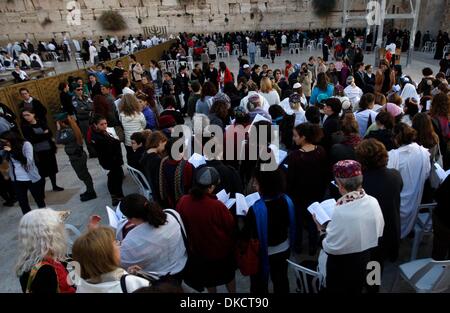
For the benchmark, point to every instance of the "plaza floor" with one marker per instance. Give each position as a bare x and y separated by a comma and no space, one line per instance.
69,200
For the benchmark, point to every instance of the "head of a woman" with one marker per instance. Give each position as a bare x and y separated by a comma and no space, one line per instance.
440,105
15,141
220,108
322,81
41,235
349,125
372,154
404,135
426,136
208,90
411,107
29,115
307,133
367,101
129,105
157,140
139,209
266,85
97,252
100,123
205,181
269,183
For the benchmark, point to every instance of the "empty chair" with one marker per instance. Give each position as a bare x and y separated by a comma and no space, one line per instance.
310,46
292,48
190,61
320,44
220,51
427,47
226,52
427,275
141,181
55,57
433,47
190,51
298,48
172,66
308,281
236,49
423,226
258,50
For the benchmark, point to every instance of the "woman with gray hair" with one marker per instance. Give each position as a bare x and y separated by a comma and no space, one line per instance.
354,230
43,249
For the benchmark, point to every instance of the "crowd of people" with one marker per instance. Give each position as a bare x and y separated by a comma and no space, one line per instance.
19,57
368,138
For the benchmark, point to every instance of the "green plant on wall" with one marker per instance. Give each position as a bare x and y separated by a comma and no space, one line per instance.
112,20
323,7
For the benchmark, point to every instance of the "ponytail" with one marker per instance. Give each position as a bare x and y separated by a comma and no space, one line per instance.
137,206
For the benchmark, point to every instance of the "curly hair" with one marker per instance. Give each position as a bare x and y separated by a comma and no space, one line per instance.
372,154
129,105
40,232
440,105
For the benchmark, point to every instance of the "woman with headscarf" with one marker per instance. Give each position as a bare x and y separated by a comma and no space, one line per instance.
409,91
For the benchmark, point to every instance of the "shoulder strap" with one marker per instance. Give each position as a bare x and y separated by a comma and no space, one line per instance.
183,232
123,283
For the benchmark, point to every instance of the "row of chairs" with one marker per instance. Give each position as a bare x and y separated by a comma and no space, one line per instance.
173,65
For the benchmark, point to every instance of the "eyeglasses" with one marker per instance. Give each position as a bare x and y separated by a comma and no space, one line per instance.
79,89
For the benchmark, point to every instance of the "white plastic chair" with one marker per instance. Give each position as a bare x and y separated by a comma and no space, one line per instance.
220,51
258,51
423,226
55,57
236,50
320,44
298,48
141,181
433,47
427,47
292,48
310,46
427,275
190,62
172,66
301,274
72,234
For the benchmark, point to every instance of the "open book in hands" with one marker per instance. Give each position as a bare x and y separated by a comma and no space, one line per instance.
115,217
224,197
243,203
441,173
197,160
323,211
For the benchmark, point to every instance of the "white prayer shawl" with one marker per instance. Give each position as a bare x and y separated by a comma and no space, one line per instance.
264,104
92,53
287,107
354,227
38,59
413,163
409,91
362,118
160,250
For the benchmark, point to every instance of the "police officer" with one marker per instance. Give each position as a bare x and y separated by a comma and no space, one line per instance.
69,134
83,111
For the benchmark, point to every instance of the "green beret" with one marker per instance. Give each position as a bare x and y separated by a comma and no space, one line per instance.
60,116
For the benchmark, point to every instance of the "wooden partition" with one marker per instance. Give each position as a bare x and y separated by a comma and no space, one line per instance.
46,89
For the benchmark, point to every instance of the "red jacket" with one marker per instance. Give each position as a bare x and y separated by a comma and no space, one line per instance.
228,78
209,226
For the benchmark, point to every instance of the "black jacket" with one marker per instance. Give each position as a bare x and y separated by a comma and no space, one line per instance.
38,108
66,103
108,149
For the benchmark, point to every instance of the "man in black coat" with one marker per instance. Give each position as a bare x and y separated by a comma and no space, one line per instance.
30,103
182,87
211,75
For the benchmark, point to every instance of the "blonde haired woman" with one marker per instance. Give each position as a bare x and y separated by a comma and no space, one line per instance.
268,92
98,253
43,249
132,119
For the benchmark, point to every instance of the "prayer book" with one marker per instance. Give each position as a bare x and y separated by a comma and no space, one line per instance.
114,217
323,211
441,173
243,203
197,160
224,197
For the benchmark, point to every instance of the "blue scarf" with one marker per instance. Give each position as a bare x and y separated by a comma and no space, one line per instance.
260,210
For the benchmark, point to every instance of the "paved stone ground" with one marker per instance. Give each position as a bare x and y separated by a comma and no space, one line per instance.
69,199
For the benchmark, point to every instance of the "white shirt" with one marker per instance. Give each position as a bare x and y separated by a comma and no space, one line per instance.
158,250
272,97
132,124
284,39
354,94
287,107
51,47
413,163
111,283
362,118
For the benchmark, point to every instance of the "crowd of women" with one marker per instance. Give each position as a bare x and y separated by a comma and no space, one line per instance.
367,138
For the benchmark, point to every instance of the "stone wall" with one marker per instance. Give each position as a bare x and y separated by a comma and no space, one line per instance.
44,19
